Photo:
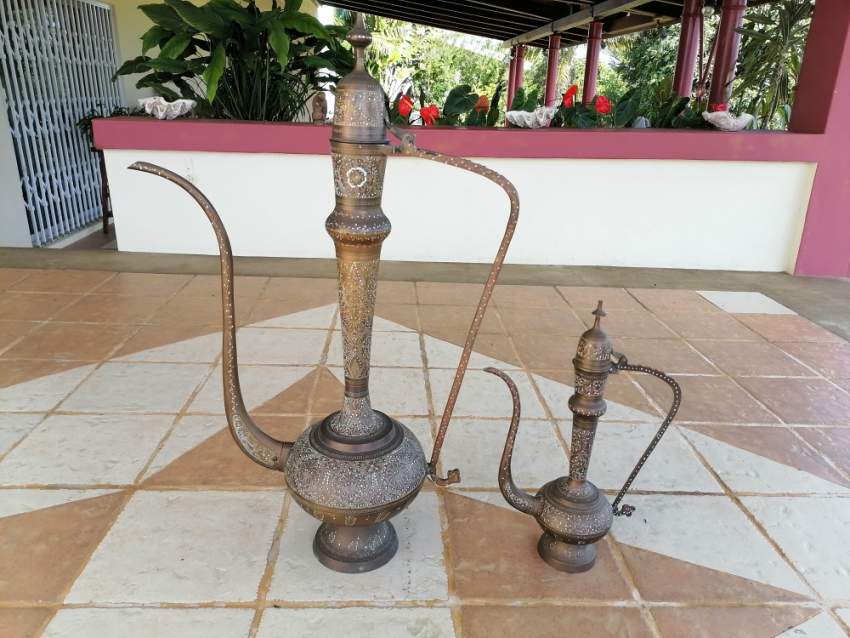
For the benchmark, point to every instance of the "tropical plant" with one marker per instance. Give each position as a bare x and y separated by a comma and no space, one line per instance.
771,54
525,100
462,107
572,113
237,61
84,124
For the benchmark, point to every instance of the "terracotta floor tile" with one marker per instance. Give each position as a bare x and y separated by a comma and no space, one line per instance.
494,555
302,289
402,314
787,328
144,284
11,331
156,338
210,286
729,622
448,294
496,346
833,443
112,309
62,281
15,371
296,398
584,299
751,358
552,622
620,389
708,399
830,359
544,321
396,292
708,325
545,351
264,309
85,342
437,318
27,306
24,623
43,572
630,323
205,310
507,296
10,276
663,301
809,401
673,356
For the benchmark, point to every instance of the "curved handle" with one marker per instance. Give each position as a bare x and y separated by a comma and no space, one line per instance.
408,148
622,363
517,498
256,444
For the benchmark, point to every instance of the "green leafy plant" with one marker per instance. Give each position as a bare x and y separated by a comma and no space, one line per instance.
525,101
237,61
84,124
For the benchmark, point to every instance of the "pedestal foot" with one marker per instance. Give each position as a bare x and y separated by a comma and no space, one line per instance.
355,549
566,557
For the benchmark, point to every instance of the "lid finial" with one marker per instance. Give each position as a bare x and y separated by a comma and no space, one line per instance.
599,313
359,38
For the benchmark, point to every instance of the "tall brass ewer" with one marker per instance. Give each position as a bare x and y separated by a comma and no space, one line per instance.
356,468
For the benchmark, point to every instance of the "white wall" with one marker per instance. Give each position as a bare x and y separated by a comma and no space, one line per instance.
14,230
667,214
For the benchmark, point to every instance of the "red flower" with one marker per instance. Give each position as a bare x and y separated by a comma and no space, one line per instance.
429,114
483,104
569,96
405,105
718,107
602,104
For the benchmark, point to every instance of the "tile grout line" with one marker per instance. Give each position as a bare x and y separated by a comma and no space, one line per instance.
271,563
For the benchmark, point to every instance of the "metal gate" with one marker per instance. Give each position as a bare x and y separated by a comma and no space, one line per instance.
57,58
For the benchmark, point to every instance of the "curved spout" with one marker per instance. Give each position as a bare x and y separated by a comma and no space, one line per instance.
517,498
256,444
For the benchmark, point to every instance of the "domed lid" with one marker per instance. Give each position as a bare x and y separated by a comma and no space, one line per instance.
594,347
360,108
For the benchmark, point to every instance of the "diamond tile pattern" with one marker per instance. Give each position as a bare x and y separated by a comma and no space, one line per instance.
126,509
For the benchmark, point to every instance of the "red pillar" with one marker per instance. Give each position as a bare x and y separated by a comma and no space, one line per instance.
683,81
511,86
519,69
552,70
821,107
591,64
728,46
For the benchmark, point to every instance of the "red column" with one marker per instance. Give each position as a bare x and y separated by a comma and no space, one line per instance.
683,81
591,64
728,46
519,70
552,70
821,107
511,78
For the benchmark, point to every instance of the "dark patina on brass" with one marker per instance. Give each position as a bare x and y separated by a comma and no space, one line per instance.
572,511
356,468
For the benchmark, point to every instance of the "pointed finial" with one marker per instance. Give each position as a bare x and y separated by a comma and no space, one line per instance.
599,313
359,38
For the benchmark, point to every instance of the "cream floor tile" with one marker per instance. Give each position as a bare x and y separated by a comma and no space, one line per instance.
14,427
821,626
318,318
189,432
557,396
442,354
395,391
705,530
137,387
259,384
814,532
745,302
150,623
744,471
844,614
431,622
417,571
475,447
388,349
283,346
672,466
483,394
14,502
84,449
379,324
183,547
203,349
42,393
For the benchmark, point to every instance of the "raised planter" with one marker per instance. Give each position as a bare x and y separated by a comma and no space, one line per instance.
650,198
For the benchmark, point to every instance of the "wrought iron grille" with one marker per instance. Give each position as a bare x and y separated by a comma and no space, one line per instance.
57,58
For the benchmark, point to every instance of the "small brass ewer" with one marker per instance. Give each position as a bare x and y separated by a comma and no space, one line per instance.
356,468
572,511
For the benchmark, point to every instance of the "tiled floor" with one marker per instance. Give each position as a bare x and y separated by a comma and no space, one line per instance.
126,510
